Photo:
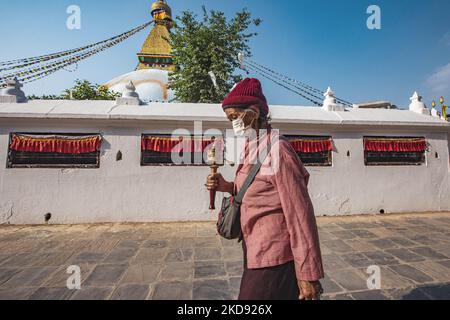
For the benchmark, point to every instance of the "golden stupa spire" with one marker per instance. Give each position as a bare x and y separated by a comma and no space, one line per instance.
156,53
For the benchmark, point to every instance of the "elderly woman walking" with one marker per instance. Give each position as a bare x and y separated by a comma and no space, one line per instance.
282,259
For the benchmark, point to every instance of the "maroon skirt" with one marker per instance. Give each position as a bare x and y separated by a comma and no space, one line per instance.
273,283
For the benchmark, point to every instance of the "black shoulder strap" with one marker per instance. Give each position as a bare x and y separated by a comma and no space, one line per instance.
251,177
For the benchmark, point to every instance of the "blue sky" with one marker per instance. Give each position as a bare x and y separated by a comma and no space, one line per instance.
320,42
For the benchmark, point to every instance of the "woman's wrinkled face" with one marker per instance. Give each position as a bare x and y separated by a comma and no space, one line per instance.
248,115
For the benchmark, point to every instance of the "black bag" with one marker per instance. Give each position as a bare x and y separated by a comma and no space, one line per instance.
229,221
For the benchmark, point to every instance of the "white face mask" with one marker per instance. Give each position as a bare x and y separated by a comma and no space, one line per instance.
239,127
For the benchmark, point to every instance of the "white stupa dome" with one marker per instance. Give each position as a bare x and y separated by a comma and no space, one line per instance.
151,84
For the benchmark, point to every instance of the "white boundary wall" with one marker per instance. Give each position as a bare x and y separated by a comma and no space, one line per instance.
123,191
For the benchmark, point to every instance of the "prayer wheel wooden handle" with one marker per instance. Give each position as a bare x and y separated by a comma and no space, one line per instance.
212,193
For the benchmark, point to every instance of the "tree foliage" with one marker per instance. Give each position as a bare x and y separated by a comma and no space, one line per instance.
85,90
211,43
82,90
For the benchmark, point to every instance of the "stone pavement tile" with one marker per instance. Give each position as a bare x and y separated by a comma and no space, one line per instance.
177,271
433,269
444,220
438,292
392,280
385,233
141,274
53,244
329,227
207,242
182,243
23,246
445,263
325,250
361,245
180,255
439,239
443,248
7,273
385,224
384,244
59,278
381,258
422,240
233,253
205,253
416,221
429,253
209,269
131,244
411,273
101,245
18,293
92,293
402,242
30,277
357,260
212,290
349,279
337,297
21,260
405,255
234,268
326,236
131,292
411,293
425,230
53,258
343,234
120,256
235,283
370,295
71,245
5,257
51,293
230,243
189,233
235,286
172,290
155,244
206,232
87,257
329,286
150,255
105,275
366,234
337,246
333,262
356,225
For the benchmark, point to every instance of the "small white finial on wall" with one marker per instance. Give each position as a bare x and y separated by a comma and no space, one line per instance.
13,93
417,105
329,103
129,96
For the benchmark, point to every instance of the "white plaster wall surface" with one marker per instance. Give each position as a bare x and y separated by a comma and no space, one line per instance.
124,191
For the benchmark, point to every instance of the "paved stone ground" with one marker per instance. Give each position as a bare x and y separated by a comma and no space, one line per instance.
189,261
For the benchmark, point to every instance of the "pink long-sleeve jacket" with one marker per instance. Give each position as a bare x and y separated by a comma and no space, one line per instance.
277,215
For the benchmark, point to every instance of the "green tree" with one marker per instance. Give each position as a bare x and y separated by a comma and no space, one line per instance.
82,90
85,90
208,44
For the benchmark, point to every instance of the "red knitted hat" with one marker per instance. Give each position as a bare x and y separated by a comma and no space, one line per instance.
247,93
